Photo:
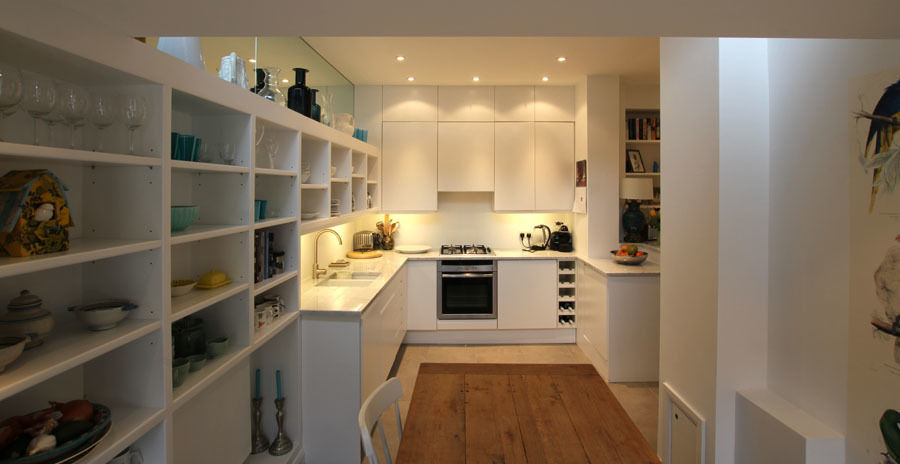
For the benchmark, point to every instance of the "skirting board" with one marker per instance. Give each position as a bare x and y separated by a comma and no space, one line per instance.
488,337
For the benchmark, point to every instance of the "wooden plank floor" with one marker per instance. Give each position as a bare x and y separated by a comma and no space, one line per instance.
517,413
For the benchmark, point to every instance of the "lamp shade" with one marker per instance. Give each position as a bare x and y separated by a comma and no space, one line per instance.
636,188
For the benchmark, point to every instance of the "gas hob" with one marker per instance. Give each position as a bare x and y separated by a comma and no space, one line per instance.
466,250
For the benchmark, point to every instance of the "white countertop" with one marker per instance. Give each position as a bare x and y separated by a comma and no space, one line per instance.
352,301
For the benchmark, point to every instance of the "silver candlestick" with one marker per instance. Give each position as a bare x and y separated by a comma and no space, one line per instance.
258,441
281,444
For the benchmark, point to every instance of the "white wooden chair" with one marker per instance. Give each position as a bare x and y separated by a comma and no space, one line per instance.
370,417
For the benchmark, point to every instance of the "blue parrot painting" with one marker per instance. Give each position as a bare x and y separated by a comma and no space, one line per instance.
882,153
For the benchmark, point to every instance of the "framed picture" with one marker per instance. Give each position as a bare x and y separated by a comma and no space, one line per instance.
635,162
581,173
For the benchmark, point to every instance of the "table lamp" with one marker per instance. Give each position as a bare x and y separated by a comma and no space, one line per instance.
633,190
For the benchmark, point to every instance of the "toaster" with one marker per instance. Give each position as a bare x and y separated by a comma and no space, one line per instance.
364,241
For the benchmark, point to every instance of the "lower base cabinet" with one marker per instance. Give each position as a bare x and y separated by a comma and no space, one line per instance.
343,359
526,294
618,324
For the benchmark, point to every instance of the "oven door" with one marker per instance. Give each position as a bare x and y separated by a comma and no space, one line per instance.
467,295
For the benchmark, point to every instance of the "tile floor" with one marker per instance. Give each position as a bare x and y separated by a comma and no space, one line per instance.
639,399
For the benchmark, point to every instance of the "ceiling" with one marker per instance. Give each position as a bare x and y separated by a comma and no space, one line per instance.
495,60
608,18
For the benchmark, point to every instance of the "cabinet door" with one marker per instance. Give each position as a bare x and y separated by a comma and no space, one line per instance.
592,309
514,166
554,166
422,295
371,351
465,103
554,103
514,103
465,157
409,166
526,294
409,103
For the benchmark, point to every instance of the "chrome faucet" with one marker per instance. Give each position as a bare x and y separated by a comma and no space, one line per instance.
316,271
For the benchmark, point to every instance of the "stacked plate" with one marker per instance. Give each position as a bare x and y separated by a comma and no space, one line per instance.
335,207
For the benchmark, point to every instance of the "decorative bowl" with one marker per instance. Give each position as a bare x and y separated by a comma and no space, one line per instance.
308,216
216,347
182,287
10,349
184,216
103,315
627,259
180,369
197,362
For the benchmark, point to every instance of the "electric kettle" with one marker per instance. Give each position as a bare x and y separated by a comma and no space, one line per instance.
540,237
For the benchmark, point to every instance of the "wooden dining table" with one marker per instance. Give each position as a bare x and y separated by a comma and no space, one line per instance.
517,413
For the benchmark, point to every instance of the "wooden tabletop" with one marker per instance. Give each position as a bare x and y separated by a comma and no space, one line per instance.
518,413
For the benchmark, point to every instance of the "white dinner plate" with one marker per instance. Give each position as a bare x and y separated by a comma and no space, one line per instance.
412,248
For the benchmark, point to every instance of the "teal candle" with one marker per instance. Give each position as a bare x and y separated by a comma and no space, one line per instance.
257,384
278,383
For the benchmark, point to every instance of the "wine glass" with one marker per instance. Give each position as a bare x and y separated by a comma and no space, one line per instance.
52,118
10,89
134,113
73,101
39,99
101,113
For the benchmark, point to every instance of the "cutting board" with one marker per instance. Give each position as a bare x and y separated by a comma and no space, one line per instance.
364,254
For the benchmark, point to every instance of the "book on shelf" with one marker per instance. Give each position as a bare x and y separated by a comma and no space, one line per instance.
643,128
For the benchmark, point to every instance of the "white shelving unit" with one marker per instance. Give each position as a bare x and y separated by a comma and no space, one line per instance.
565,313
650,153
121,245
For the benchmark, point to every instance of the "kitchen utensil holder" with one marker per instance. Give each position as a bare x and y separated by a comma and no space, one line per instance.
258,440
280,445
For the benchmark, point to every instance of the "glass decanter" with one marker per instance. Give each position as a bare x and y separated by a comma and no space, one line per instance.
270,91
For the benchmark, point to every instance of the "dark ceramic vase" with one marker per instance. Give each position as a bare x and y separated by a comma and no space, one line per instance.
315,111
298,93
634,224
260,80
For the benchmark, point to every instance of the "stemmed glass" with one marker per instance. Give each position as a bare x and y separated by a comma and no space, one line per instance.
10,90
101,113
134,113
74,108
39,99
52,118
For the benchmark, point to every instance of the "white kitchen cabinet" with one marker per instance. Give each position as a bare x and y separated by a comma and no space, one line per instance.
422,295
618,324
514,103
514,166
343,360
410,103
526,294
554,161
554,103
465,157
465,103
409,166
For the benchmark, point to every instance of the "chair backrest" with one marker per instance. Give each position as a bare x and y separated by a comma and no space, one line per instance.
370,417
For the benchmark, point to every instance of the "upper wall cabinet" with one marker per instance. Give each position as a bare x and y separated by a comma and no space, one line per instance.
554,103
409,166
410,103
514,103
465,103
554,166
466,156
514,166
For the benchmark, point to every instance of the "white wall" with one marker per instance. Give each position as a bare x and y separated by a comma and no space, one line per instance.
604,152
329,249
809,222
466,218
743,230
688,284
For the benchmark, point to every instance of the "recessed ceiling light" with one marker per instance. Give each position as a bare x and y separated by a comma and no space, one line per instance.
560,58
401,58
252,60
545,78
476,79
410,78
285,81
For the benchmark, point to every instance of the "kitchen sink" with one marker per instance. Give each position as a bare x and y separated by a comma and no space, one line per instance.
348,279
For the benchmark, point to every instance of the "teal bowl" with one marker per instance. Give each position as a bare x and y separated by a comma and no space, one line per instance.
184,216
217,347
180,369
197,362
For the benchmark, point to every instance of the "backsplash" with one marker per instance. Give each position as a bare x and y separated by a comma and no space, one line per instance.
466,218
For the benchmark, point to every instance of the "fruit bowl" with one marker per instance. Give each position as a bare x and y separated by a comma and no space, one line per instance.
628,259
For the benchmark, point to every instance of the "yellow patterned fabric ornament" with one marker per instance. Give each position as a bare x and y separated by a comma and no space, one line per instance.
34,213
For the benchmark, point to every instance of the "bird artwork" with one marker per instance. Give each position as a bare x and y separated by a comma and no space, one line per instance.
887,289
882,152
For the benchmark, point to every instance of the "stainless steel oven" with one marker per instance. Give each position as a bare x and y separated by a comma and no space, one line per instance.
467,289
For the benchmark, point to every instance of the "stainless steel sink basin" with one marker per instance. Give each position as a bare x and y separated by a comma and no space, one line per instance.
345,279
